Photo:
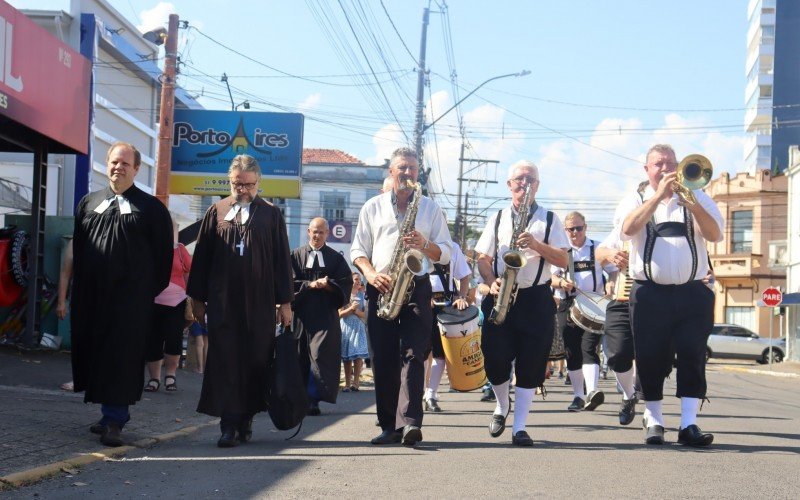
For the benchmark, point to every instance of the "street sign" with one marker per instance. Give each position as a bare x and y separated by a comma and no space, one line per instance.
771,296
340,231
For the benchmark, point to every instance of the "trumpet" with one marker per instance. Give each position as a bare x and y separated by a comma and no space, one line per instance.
693,172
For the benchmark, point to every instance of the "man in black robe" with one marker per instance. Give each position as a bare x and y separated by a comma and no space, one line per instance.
240,272
322,284
122,258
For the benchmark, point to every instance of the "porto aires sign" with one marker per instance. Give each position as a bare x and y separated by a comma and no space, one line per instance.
204,143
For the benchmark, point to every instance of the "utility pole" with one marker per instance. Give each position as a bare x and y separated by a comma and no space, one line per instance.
419,122
164,161
461,212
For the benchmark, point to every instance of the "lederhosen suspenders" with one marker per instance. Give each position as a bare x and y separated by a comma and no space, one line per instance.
667,229
533,209
585,265
444,276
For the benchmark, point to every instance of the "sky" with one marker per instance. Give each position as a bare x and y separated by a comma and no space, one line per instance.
608,79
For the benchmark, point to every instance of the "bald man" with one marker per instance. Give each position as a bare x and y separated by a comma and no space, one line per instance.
322,283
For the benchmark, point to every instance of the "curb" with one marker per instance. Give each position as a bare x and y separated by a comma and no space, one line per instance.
758,372
36,474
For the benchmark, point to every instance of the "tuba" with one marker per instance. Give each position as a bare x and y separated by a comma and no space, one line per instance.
405,264
693,172
514,260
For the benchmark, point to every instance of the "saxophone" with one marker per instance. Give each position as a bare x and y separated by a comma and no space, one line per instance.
514,260
405,264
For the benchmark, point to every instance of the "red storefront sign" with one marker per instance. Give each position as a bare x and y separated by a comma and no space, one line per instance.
44,84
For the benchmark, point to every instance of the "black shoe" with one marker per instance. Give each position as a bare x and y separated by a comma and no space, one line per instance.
593,400
387,437
97,428
604,374
521,438
567,380
497,424
313,410
488,396
432,405
693,436
228,438
627,411
411,435
112,435
577,404
245,430
655,435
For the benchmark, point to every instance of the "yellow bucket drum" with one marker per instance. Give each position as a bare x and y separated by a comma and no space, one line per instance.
461,340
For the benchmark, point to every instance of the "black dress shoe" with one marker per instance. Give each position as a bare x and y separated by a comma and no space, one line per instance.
627,411
245,430
655,435
497,424
432,405
693,436
313,410
411,435
387,437
577,404
228,438
521,438
112,435
488,396
97,428
593,400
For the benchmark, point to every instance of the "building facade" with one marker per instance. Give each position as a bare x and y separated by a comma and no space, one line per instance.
792,255
755,209
773,84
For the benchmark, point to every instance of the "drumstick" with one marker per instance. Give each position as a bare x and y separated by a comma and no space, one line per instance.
588,296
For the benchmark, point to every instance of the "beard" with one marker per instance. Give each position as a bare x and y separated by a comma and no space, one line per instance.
243,197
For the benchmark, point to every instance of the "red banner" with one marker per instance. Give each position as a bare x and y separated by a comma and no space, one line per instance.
44,84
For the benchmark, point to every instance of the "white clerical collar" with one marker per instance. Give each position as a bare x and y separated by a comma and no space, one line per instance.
124,204
314,253
243,207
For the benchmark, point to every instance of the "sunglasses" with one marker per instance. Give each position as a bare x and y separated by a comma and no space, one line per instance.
574,229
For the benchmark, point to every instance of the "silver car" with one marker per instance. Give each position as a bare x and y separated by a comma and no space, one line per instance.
734,341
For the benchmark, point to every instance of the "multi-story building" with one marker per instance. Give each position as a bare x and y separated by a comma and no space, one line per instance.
754,208
773,84
791,257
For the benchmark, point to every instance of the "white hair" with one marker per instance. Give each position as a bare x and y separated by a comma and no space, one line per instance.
526,164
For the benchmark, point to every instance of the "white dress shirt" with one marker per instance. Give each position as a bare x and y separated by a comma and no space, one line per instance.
672,258
583,280
378,230
458,269
536,227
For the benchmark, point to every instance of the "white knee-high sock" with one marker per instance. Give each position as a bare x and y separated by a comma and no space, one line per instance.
522,405
591,373
576,377
689,407
437,370
626,381
653,414
501,394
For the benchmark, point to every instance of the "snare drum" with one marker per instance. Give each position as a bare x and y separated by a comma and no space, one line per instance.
589,311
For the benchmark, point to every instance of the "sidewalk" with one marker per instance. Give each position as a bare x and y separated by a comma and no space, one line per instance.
788,369
40,424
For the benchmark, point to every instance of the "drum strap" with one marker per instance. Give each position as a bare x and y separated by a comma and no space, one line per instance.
439,271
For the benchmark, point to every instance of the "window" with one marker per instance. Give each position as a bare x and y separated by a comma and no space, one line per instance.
334,206
742,229
742,316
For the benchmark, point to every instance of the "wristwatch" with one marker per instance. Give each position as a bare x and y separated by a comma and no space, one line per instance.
427,243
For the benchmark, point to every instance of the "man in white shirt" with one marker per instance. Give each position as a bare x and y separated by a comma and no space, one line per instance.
670,304
526,335
399,387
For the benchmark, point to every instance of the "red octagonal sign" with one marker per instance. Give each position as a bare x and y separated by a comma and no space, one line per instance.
771,296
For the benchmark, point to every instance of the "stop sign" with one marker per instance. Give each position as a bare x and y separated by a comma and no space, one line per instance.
771,296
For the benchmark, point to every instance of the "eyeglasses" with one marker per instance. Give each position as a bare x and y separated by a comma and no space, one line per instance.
523,179
574,229
406,167
243,185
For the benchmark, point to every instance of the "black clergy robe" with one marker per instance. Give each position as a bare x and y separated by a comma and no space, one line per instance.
241,286
318,312
122,261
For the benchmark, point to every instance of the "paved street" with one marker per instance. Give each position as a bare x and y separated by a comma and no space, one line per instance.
754,417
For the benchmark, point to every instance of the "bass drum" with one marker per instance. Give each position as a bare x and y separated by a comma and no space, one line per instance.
461,340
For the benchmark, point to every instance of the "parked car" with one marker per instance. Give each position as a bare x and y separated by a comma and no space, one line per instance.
734,341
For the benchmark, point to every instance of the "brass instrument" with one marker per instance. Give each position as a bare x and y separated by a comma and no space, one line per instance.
405,264
623,284
693,172
514,260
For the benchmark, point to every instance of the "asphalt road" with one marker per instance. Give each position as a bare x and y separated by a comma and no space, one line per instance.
756,453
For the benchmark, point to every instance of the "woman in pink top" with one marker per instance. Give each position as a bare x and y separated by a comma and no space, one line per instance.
165,342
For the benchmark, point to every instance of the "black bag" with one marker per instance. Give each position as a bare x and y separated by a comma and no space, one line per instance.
288,400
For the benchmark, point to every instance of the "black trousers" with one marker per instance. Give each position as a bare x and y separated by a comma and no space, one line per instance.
398,350
166,334
526,336
619,336
436,337
667,317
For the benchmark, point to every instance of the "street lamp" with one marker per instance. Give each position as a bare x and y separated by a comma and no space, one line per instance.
246,105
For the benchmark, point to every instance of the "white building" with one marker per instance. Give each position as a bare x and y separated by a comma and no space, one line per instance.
758,92
792,258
